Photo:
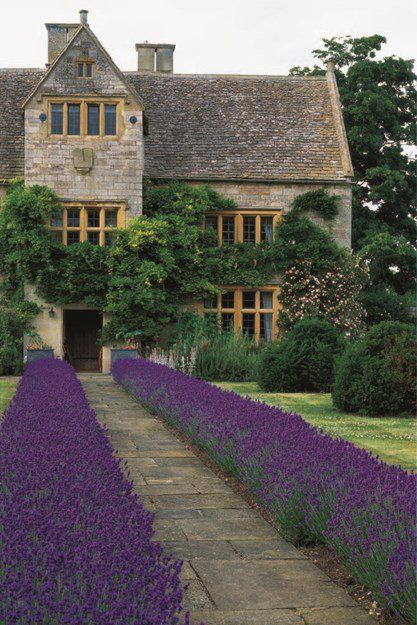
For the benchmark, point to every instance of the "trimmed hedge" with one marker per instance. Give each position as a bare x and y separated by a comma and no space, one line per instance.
76,544
303,360
376,374
318,488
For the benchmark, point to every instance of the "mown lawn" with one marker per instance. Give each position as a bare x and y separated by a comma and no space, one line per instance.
7,389
392,438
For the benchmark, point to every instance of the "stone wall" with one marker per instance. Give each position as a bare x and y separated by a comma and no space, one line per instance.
117,162
51,329
253,195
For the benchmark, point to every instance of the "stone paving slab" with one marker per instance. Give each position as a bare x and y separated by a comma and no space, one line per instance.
239,570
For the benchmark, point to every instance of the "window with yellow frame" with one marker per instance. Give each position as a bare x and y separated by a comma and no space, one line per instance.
79,222
251,311
243,226
84,117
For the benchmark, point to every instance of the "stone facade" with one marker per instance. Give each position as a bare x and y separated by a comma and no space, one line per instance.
280,196
259,140
117,163
51,328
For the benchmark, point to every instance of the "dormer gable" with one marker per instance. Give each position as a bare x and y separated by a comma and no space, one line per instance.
84,67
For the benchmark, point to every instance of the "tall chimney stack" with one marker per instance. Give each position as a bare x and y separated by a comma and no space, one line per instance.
83,17
155,57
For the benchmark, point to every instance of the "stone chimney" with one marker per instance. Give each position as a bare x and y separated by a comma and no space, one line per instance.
83,17
58,37
60,34
155,57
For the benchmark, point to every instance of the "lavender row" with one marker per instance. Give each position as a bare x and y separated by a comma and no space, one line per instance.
318,488
76,545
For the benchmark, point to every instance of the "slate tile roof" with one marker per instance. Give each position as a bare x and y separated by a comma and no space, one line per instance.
15,85
211,127
231,127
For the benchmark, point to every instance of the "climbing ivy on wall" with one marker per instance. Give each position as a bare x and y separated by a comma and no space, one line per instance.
165,257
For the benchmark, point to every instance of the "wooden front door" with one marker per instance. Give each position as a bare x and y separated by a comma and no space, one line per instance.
81,328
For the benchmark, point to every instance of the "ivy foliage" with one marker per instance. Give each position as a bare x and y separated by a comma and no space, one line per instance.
319,202
161,260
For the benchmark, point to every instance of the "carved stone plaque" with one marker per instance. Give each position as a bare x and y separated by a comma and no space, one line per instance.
83,160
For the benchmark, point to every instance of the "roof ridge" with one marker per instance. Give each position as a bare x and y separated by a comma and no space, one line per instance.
233,76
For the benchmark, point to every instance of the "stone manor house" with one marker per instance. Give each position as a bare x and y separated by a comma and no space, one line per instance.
92,133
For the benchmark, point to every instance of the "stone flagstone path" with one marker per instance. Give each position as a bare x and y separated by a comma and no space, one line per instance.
241,572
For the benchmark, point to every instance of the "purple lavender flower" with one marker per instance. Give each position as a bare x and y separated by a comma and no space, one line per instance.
76,544
318,488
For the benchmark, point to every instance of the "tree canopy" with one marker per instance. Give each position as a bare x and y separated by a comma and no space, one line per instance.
378,96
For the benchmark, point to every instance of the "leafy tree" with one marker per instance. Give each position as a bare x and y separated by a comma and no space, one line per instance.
378,98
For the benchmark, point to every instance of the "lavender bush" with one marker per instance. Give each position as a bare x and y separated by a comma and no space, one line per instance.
317,487
76,545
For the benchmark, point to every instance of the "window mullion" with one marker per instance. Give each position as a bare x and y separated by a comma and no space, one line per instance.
257,229
239,218
83,224
65,118
238,308
64,226
102,225
220,230
101,119
83,125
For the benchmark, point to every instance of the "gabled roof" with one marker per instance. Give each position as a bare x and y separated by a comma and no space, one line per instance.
51,68
15,84
214,127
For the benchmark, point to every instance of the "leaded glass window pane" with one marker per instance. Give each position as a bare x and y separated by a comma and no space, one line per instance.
93,238
80,70
110,119
57,119
227,322
111,219
248,324
248,299
267,229
249,229
228,230
73,119
88,70
93,219
228,299
73,217
93,121
266,326
266,299
56,219
73,237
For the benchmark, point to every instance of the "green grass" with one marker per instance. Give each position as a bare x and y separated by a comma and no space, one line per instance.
7,389
392,438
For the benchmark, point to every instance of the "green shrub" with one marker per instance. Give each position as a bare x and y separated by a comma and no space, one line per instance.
376,374
227,356
303,360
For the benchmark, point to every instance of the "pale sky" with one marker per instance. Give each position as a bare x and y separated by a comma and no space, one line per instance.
217,36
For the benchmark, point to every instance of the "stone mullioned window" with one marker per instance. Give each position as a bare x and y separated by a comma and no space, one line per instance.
77,222
243,226
92,117
251,311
